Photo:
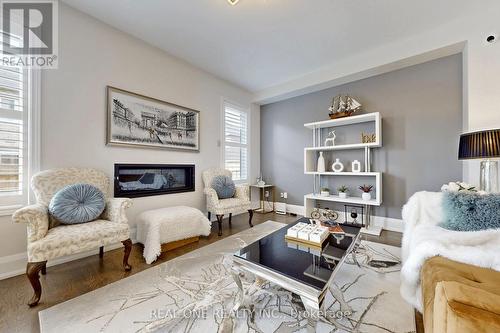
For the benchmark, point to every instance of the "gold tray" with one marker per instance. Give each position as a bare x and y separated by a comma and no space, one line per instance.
304,242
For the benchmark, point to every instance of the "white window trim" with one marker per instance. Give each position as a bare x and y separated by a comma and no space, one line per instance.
223,138
32,141
34,127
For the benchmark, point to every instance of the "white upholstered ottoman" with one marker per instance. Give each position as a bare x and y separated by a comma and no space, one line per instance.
166,225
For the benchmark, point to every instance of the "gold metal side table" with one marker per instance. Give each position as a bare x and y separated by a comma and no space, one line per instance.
262,190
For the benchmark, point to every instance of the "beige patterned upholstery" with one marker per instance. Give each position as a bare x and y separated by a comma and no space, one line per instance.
44,243
239,203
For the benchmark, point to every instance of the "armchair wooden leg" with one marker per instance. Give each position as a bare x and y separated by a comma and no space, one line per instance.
250,213
128,247
44,269
209,216
230,216
32,271
101,252
219,221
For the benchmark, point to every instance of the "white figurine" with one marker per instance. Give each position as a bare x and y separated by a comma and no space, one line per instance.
331,138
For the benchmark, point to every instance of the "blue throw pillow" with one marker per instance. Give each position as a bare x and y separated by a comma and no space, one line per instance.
77,203
224,186
471,211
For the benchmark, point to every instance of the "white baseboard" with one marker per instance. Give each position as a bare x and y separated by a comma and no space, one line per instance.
295,209
15,264
389,223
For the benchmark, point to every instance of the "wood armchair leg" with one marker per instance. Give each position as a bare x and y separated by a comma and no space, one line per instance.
101,252
33,273
230,217
44,269
219,221
128,247
250,217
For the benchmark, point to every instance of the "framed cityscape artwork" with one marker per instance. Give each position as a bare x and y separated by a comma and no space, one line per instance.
139,121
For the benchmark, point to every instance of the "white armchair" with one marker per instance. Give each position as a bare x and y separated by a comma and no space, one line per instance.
46,243
239,203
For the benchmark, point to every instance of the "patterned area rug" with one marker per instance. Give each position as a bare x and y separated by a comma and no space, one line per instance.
195,293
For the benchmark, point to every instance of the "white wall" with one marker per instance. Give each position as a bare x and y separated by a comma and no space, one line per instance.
465,34
93,55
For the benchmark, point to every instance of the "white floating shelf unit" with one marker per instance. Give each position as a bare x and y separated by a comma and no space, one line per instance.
332,173
345,147
311,155
362,118
336,198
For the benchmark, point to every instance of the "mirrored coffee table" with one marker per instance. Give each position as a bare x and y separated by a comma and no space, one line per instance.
305,271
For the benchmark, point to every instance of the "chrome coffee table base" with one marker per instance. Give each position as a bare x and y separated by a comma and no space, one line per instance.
306,272
311,297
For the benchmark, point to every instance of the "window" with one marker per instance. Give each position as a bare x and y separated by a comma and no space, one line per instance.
13,135
236,139
19,132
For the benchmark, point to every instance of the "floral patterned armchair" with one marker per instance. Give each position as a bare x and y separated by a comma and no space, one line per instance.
45,243
239,203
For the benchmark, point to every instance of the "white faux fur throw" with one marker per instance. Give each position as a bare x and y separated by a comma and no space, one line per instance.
165,225
423,238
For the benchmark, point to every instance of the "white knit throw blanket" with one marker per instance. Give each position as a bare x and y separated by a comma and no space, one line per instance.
165,225
423,239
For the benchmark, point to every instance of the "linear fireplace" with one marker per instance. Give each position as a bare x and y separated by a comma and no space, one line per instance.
142,180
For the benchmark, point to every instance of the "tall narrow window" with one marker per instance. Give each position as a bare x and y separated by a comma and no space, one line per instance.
236,140
13,135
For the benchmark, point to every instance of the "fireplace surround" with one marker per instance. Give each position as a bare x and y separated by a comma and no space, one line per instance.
143,180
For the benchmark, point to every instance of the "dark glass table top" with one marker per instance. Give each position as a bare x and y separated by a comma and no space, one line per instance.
308,265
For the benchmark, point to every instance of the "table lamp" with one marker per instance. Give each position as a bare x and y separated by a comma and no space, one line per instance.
483,145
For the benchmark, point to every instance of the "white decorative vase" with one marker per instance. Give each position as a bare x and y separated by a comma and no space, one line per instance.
342,195
321,163
366,196
337,166
325,193
356,166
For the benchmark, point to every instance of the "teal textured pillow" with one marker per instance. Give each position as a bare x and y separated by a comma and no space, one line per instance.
77,203
466,211
224,186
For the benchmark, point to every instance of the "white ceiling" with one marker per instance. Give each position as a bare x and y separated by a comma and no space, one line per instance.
261,43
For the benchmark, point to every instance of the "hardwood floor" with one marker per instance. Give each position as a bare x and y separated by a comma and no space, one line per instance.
69,280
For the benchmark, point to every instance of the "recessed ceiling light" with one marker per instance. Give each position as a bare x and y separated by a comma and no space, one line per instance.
233,2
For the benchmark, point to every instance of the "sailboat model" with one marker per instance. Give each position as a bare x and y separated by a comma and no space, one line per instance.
343,106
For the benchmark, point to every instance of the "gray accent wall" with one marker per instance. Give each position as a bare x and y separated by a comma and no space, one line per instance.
421,109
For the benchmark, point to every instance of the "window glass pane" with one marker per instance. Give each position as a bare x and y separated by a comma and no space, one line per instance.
11,148
235,125
236,161
11,131
235,141
11,88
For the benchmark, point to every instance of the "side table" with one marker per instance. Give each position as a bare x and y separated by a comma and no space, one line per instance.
262,191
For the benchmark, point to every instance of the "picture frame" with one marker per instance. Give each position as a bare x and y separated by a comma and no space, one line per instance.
135,120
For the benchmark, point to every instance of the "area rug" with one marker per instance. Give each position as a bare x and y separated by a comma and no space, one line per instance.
196,293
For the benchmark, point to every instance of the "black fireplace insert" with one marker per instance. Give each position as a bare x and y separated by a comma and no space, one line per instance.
142,180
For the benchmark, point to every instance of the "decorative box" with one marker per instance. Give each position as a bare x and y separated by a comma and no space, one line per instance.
294,231
303,234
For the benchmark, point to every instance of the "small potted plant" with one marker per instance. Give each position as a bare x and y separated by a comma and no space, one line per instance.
343,191
366,192
325,192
